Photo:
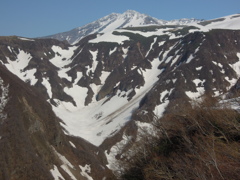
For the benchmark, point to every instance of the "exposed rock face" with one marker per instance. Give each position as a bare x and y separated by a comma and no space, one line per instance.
33,143
102,89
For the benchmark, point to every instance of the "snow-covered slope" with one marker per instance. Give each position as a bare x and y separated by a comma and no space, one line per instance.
114,21
230,22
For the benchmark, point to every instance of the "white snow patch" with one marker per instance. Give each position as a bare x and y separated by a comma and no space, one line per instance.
95,88
190,58
217,93
94,54
165,56
115,150
62,56
222,71
195,95
109,37
227,23
61,59
25,39
175,59
236,66
85,171
231,81
144,128
169,58
112,51
29,76
159,109
17,67
48,86
55,173
154,41
63,159
198,81
133,68
199,68
125,50
78,93
9,48
163,94
95,62
66,164
72,144
79,76
139,71
217,64
62,73
161,43
104,76
174,80
230,103
66,169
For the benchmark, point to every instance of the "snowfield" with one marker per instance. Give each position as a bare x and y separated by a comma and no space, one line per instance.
102,119
109,37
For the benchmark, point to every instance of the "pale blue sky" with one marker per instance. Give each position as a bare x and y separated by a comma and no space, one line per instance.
35,18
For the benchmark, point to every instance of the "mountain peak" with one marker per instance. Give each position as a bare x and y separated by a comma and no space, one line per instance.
129,18
131,12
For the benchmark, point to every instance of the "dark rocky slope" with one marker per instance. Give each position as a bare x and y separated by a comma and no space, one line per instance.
32,142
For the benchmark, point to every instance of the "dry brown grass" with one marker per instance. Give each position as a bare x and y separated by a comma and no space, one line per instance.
202,142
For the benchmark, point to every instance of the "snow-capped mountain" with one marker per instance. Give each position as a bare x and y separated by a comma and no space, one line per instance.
106,88
114,21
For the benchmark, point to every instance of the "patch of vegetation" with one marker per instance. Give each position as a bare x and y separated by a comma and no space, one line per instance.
107,45
204,23
143,29
184,30
235,16
201,142
150,28
145,41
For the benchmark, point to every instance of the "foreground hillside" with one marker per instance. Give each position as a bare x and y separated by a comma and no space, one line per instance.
76,110
32,142
201,142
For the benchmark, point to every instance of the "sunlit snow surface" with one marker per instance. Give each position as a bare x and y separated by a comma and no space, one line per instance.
102,119
109,37
17,67
227,22
55,173
85,171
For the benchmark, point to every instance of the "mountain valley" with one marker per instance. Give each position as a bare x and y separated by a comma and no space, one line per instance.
72,110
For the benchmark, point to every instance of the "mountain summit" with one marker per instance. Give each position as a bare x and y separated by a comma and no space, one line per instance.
130,18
